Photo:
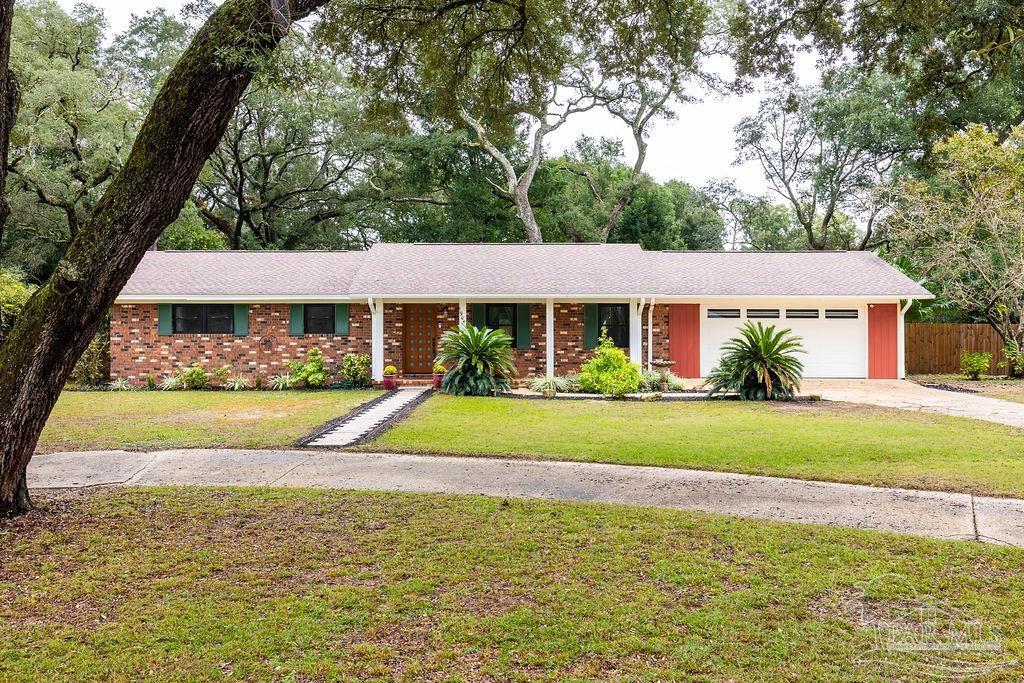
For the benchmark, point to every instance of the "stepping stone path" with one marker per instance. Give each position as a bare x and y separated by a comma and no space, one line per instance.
365,421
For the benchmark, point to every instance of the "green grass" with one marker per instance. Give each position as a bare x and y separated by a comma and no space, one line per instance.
172,419
996,387
273,584
839,442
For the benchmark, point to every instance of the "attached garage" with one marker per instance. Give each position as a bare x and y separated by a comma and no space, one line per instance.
834,333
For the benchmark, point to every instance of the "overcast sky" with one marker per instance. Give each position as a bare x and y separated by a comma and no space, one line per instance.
695,147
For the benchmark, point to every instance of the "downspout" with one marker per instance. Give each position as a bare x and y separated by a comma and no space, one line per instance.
650,335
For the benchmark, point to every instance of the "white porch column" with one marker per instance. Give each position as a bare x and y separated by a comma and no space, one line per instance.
376,339
901,342
462,311
635,337
650,334
549,338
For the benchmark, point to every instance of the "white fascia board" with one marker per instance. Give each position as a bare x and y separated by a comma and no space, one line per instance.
485,298
235,298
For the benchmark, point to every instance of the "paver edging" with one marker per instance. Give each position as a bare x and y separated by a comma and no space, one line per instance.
331,425
398,416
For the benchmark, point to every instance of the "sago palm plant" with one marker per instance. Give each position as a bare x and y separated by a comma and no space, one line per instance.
759,365
479,361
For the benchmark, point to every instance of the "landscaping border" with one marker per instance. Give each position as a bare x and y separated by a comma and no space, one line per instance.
331,425
397,417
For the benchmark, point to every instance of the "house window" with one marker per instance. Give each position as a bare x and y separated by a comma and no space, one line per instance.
204,318
801,312
614,319
723,312
318,318
842,313
502,317
762,313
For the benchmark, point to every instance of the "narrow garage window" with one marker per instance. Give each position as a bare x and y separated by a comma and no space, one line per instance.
842,313
801,312
762,313
723,312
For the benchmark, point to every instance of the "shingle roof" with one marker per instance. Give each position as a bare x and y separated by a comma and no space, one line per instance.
524,270
200,273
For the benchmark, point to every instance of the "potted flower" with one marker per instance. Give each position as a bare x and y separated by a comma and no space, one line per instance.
439,371
390,375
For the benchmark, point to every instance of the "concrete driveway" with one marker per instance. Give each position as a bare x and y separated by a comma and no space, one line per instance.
924,513
908,395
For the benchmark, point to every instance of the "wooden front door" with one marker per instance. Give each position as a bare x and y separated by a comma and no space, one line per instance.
420,338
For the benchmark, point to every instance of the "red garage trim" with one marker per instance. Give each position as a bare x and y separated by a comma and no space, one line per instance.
684,338
882,341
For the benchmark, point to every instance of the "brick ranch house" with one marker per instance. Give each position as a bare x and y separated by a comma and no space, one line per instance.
256,311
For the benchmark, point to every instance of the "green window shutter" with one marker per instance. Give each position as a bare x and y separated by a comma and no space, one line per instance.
590,331
523,326
340,318
296,325
241,320
164,323
479,315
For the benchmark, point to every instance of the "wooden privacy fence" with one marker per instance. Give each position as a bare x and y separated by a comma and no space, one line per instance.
935,348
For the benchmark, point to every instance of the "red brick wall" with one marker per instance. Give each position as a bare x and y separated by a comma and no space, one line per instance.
137,350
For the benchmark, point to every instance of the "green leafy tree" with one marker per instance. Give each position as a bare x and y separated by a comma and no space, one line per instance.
962,228
825,151
73,130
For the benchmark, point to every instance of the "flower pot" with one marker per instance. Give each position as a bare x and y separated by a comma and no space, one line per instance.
390,382
437,380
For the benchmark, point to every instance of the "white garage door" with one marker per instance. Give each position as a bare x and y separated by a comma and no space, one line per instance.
835,341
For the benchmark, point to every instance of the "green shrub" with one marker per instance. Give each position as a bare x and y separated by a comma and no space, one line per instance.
1014,362
973,363
196,377
565,384
150,382
120,384
355,370
93,368
651,381
609,371
760,364
14,292
313,373
236,384
282,382
479,361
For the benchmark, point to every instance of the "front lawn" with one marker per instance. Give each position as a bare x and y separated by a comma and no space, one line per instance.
996,387
272,584
832,441
191,419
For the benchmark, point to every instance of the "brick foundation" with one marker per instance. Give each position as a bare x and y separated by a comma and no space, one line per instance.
138,350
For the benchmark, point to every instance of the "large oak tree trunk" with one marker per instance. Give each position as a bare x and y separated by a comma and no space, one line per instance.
184,126
9,97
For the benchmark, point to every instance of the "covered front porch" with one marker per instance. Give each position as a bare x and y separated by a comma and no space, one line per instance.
550,335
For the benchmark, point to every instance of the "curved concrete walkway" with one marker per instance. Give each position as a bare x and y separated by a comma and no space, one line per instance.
907,395
925,513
